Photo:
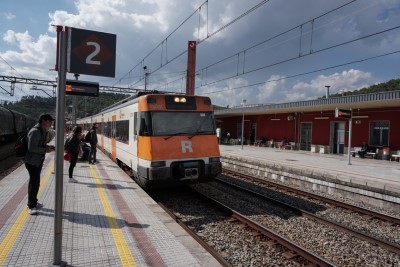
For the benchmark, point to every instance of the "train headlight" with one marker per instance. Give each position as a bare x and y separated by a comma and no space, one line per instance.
157,164
214,159
180,99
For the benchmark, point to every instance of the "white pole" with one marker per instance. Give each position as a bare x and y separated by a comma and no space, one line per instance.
59,158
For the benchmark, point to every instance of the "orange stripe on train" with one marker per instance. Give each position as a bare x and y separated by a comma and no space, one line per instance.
177,147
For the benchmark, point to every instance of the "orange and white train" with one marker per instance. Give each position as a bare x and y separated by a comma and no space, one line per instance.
160,138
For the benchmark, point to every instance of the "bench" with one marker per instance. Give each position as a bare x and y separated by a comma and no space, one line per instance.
355,151
288,145
396,157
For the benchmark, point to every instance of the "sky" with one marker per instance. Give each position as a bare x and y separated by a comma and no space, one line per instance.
262,51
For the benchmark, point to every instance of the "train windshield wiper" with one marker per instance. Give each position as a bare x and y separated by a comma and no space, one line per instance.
199,133
175,134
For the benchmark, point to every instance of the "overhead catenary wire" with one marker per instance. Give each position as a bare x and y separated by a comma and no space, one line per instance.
304,73
141,63
300,56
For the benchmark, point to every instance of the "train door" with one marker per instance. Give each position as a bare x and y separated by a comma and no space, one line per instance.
113,141
305,136
338,137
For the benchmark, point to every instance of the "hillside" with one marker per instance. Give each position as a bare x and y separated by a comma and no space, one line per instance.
392,85
36,105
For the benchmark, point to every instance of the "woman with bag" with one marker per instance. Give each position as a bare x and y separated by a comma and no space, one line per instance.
74,145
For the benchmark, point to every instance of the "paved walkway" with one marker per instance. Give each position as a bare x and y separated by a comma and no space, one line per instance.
382,173
107,221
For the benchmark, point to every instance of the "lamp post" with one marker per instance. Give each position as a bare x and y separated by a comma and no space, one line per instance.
243,103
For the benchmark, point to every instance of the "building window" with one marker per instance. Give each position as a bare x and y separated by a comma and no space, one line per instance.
379,134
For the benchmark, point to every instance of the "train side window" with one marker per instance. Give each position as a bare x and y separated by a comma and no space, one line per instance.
122,131
142,127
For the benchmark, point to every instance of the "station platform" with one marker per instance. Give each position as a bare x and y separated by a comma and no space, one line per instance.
378,180
108,220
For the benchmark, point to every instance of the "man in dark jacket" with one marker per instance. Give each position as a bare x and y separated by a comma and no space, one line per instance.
93,143
34,159
364,150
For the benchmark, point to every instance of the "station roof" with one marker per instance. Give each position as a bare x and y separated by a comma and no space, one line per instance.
365,101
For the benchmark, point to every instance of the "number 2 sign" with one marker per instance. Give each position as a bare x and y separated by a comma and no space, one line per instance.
91,52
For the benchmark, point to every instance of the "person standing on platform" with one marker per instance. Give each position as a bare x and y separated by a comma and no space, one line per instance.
74,146
93,143
34,158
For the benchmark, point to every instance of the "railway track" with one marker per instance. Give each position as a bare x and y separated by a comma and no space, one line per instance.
290,251
308,195
337,243
320,219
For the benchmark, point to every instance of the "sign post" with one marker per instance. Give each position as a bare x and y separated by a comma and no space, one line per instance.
347,114
59,162
79,52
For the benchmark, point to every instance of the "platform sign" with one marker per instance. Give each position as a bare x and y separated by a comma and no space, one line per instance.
81,88
343,113
91,52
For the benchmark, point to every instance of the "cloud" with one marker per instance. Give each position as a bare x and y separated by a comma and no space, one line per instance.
141,25
33,56
348,80
9,16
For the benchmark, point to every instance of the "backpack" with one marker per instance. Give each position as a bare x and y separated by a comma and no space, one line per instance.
21,145
88,137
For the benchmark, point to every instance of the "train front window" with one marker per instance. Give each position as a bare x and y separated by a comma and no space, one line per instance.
182,123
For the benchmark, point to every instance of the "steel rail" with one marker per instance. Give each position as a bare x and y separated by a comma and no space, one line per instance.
382,243
213,252
365,211
297,249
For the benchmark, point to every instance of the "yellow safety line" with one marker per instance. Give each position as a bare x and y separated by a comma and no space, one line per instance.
120,242
8,242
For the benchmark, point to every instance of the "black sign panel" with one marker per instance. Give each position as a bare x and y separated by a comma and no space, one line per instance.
81,88
91,52
343,113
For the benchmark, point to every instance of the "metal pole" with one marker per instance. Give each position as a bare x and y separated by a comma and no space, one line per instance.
243,102
59,160
242,128
145,80
350,129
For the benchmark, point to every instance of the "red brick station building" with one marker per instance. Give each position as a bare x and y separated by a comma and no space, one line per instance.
311,125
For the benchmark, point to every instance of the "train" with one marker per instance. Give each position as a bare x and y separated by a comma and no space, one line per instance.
13,124
160,138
